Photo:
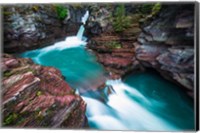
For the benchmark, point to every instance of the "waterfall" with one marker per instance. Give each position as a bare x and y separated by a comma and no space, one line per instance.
80,32
71,41
85,17
82,29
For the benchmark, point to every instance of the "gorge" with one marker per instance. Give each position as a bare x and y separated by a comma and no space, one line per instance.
111,75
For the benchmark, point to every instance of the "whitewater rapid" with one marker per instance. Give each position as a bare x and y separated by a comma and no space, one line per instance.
123,113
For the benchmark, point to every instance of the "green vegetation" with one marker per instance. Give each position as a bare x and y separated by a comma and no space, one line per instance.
7,74
150,8
35,7
113,45
10,118
156,8
120,20
7,13
62,12
39,93
77,6
146,8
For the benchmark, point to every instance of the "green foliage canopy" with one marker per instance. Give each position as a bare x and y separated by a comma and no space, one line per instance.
150,8
120,20
61,11
113,45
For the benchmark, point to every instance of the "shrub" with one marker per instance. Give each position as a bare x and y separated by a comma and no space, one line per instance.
10,119
35,8
146,8
61,11
156,8
150,8
113,45
120,21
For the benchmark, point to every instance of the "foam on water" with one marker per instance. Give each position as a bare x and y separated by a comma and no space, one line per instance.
69,42
122,112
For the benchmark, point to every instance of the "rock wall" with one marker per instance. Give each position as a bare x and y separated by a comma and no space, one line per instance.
167,44
37,96
163,41
32,26
114,50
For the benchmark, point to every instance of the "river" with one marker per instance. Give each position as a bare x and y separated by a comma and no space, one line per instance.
142,101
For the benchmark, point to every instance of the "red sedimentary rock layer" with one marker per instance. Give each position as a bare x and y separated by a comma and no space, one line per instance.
37,96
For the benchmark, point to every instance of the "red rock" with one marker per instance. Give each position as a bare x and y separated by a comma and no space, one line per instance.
117,62
37,96
10,62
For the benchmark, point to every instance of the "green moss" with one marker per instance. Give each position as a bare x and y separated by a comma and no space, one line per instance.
10,119
20,121
32,70
35,7
7,74
39,93
61,11
77,6
7,13
120,20
113,45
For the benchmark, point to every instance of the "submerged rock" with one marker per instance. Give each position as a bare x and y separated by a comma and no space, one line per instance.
37,96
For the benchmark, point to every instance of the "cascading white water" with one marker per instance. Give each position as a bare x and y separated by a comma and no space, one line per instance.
121,117
80,32
85,17
75,41
69,42
72,41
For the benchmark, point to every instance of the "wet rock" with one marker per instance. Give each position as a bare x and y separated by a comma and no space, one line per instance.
166,44
116,55
114,61
29,27
114,50
185,20
37,96
99,20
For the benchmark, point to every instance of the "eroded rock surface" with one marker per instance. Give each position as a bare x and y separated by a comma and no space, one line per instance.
32,26
116,50
167,45
37,96
115,54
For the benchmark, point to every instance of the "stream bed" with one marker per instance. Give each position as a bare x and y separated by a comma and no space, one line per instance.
142,101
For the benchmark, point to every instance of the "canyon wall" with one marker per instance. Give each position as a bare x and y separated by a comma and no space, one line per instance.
38,96
163,41
167,45
29,27
111,42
